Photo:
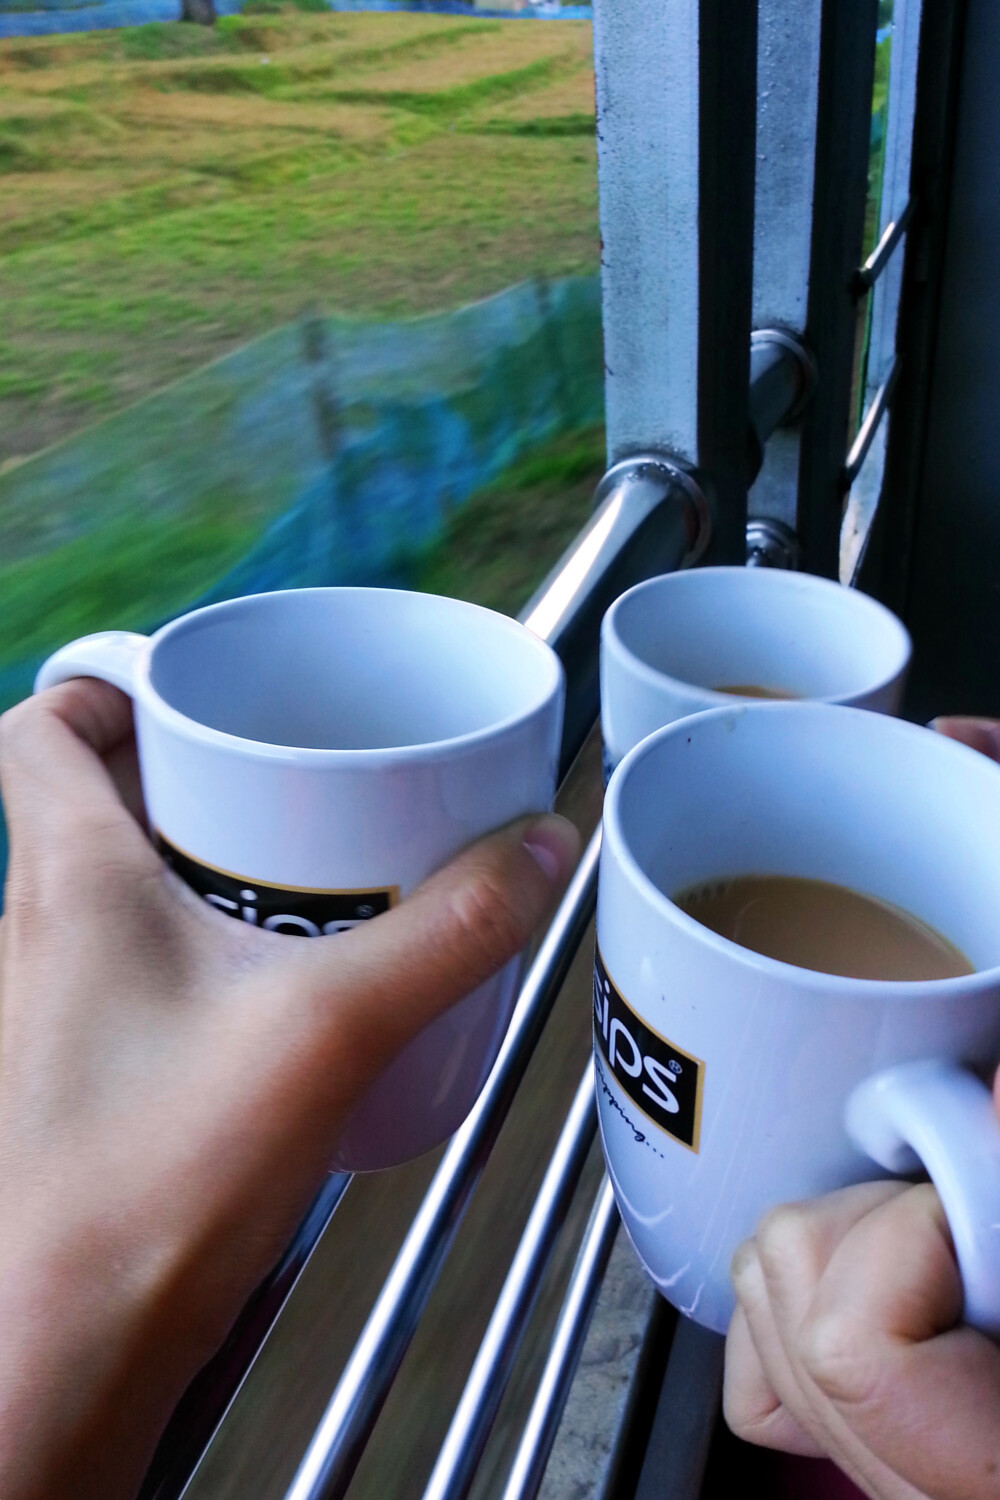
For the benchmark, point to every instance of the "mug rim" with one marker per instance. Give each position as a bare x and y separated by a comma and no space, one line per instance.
617,848
779,578
371,756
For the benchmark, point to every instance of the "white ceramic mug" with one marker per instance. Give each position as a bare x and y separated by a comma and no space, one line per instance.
728,1082
309,756
668,644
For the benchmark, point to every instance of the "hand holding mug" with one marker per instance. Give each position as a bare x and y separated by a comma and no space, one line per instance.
730,1081
172,1082
309,756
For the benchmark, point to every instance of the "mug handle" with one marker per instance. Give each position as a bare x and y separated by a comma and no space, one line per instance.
939,1115
110,655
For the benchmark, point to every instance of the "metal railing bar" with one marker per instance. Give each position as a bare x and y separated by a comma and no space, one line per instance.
866,276
783,377
866,432
339,1440
458,1459
650,517
547,1408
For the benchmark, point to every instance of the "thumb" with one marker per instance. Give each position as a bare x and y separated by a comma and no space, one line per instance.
392,976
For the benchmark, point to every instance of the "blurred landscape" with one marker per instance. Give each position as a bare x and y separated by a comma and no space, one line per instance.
171,191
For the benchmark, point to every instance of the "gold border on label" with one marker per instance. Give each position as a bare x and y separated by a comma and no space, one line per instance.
681,1051
392,891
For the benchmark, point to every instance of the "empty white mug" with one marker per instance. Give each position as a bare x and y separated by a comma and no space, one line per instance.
729,1082
669,644
309,756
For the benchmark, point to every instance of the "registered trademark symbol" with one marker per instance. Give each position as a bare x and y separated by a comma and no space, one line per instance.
366,911
675,1066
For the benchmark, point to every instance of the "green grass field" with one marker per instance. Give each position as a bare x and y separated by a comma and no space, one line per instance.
168,191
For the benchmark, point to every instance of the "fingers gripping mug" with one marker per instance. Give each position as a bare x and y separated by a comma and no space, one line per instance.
309,756
728,1082
670,645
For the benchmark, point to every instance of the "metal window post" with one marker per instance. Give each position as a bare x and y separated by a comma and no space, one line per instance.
676,103
787,82
843,133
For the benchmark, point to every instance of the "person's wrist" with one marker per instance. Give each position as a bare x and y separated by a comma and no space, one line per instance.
95,1343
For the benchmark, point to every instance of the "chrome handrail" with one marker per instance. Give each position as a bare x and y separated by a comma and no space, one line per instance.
650,516
869,426
463,1446
866,276
539,1433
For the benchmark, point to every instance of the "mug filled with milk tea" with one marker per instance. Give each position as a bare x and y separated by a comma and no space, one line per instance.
309,756
688,641
797,983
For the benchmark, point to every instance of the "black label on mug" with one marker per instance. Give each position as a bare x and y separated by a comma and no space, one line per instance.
662,1081
300,912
